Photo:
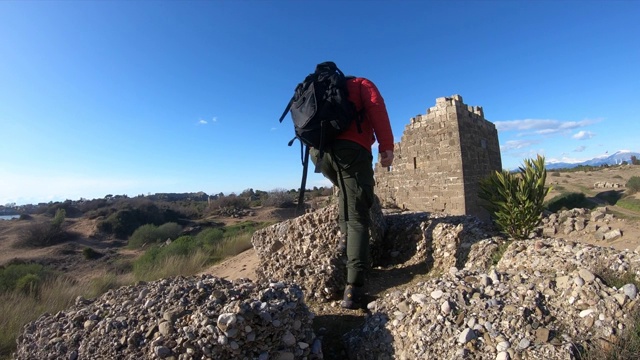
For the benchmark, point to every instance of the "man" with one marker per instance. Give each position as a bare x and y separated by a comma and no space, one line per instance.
347,162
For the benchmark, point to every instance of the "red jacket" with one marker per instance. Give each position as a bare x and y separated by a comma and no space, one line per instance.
375,121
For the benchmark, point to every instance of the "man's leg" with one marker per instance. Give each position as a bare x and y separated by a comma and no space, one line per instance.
329,171
355,174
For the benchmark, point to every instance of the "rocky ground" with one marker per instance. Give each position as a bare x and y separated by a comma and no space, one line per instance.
442,287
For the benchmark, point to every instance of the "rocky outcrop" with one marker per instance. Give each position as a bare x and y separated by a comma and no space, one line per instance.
305,250
179,318
544,299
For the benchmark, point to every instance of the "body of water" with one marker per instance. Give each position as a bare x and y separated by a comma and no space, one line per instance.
9,217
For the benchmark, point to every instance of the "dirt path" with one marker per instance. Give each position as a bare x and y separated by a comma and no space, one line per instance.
241,266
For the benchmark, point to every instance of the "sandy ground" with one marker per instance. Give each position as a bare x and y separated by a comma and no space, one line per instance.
241,266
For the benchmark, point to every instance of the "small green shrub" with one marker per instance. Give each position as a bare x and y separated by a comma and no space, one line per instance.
617,177
20,274
633,184
555,173
28,284
515,200
210,236
58,219
90,253
170,230
497,255
151,234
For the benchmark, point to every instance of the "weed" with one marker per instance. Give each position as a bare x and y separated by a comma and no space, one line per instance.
90,254
496,256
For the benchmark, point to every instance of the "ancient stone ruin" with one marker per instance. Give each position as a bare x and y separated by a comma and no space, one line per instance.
440,160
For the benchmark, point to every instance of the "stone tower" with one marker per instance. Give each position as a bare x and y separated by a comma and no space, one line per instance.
440,160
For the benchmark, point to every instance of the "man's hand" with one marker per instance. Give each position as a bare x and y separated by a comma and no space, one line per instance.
386,158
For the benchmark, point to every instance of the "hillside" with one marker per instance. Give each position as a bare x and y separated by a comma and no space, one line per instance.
402,277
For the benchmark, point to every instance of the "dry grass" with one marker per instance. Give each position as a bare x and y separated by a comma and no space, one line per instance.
176,265
19,308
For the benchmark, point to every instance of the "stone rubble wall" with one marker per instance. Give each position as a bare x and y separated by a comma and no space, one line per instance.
440,159
179,318
595,224
607,185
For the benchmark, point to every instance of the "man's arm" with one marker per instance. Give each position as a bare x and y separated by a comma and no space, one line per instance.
376,112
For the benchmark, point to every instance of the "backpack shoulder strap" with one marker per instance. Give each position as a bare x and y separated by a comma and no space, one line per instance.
303,185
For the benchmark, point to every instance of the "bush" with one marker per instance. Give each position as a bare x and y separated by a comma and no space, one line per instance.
151,234
125,221
280,198
28,284
210,236
515,200
633,185
19,275
44,233
90,254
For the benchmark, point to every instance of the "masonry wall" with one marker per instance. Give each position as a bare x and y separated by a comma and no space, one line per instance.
440,159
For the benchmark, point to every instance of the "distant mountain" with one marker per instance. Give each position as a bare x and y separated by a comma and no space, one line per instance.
614,159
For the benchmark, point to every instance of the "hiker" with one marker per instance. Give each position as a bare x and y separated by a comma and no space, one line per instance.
347,163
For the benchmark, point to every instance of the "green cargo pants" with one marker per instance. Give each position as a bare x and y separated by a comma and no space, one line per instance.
349,167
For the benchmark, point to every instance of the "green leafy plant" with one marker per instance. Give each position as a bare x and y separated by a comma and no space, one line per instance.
515,200
633,185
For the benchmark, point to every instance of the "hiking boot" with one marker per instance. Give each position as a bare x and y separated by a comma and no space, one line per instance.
353,297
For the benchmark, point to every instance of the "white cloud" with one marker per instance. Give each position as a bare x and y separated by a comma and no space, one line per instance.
205,122
583,135
541,126
580,148
517,144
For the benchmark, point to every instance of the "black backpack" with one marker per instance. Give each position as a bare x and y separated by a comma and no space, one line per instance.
320,110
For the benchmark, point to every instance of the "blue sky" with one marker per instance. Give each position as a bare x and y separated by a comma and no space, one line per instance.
119,97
